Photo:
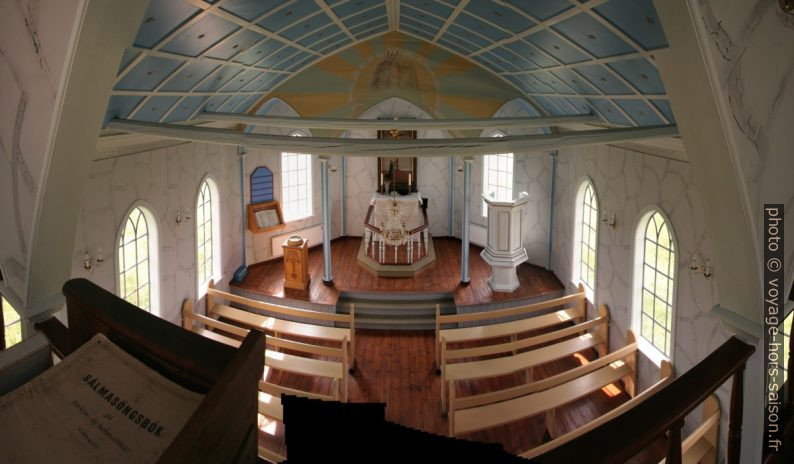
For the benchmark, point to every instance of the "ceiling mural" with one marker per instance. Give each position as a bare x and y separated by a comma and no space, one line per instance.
563,56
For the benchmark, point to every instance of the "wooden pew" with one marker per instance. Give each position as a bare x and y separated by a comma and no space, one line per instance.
478,412
701,445
666,375
574,309
592,334
278,325
335,370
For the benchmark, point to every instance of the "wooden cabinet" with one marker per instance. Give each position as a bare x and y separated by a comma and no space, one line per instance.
296,263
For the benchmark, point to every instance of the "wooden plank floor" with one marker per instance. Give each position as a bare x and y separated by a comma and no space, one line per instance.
397,368
443,276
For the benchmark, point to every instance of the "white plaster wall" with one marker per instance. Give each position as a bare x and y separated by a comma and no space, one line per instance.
362,173
753,75
167,180
627,182
35,41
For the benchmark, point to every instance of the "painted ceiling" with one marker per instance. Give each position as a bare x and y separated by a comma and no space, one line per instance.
563,56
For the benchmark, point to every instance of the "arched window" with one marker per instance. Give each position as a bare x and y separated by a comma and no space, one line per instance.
654,285
585,245
296,185
497,176
207,234
137,260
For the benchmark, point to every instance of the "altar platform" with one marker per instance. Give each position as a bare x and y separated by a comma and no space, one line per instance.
441,278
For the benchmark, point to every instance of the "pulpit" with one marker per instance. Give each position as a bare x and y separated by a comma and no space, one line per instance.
296,262
504,249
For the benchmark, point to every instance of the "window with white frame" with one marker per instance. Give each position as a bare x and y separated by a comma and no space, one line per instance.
137,260
654,286
207,234
12,324
296,185
585,237
497,176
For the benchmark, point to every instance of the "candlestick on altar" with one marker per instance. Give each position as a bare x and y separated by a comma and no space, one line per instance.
409,182
381,181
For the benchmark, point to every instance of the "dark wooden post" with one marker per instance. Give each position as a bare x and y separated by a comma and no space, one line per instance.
674,444
790,366
736,413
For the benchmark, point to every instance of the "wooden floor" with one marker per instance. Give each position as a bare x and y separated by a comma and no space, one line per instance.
397,368
443,276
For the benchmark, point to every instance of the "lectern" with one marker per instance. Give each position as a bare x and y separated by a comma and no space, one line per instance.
296,262
504,249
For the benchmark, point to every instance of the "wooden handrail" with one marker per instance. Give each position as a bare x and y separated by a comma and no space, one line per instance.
624,436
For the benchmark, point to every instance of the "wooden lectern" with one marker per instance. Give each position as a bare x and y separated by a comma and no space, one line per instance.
296,262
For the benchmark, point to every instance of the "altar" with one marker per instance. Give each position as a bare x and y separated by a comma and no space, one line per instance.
396,235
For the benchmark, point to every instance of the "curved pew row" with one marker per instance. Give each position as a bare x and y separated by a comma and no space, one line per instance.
478,412
276,324
573,308
593,334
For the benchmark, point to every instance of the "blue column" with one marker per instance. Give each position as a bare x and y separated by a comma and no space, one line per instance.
464,253
553,158
451,196
241,271
328,278
344,196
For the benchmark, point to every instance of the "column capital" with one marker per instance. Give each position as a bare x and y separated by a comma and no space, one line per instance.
323,158
468,159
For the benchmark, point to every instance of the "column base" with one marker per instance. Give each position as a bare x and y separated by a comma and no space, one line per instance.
464,283
328,283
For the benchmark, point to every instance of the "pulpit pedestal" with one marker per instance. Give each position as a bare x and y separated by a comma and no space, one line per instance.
504,250
296,263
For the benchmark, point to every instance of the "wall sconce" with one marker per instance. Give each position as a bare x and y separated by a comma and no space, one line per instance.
610,219
787,6
460,168
182,217
88,261
696,268
332,168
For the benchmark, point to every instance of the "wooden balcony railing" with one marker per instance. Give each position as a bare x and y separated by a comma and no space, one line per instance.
624,436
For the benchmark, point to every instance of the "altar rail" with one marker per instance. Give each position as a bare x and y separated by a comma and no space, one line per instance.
624,436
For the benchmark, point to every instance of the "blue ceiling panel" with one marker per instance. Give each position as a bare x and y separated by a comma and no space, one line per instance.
319,34
465,45
189,76
521,63
554,82
413,29
364,17
556,47
257,52
307,26
541,10
453,45
564,105
498,14
246,105
580,85
593,36
421,16
535,84
640,112
425,30
334,47
120,107
200,36
261,79
240,80
642,74
550,108
251,9
231,104
289,14
217,79
609,111
431,6
235,44
274,82
299,60
162,17
603,79
637,19
531,53
474,24
345,9
665,108
505,64
271,61
155,108
185,109
581,105
147,74
127,58
468,35
214,103
317,46
376,27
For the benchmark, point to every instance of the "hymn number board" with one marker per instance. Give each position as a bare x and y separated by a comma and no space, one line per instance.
397,173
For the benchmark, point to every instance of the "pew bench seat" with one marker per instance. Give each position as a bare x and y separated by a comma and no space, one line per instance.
280,326
502,329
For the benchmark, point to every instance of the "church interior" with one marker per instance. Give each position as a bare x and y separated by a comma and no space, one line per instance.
540,227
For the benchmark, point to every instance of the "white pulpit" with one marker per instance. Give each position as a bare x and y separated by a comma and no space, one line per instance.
504,249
